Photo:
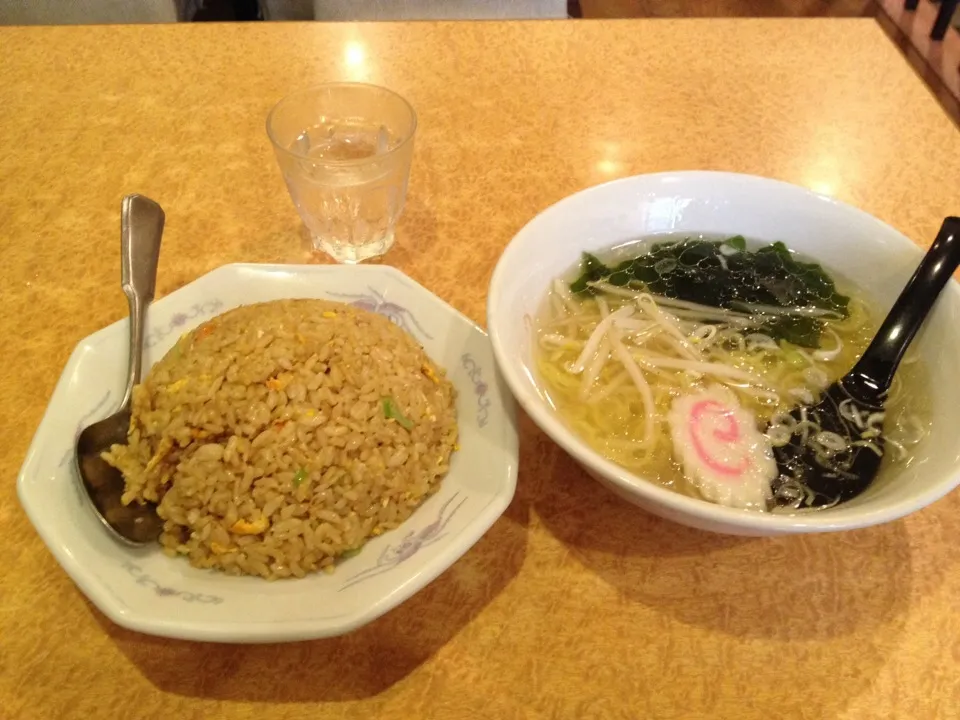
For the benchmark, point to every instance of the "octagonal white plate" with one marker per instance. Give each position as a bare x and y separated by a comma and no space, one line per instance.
144,590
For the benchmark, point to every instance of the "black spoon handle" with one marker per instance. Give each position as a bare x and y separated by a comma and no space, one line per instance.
873,373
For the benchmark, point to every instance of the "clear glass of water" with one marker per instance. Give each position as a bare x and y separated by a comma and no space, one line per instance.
345,151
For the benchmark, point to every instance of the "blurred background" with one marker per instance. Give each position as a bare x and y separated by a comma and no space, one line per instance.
925,30
126,11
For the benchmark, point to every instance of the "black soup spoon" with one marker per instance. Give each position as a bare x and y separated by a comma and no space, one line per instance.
811,475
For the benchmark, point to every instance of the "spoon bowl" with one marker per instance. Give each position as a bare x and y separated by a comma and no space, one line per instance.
104,484
817,473
141,227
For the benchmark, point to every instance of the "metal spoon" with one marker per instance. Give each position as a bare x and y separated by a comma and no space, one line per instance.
141,226
853,406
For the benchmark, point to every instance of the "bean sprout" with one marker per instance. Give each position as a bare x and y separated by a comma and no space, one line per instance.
593,343
833,353
812,312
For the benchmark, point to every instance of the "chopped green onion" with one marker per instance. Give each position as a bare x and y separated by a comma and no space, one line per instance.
392,412
299,477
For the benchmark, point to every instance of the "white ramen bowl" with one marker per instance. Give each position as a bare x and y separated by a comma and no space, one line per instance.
846,240
143,589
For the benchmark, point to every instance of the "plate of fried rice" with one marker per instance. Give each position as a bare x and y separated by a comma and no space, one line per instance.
320,442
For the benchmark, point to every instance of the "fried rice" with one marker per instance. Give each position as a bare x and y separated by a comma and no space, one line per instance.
278,437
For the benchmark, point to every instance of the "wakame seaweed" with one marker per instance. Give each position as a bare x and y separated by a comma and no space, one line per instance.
723,274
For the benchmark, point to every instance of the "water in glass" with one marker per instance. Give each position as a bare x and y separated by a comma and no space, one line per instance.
348,186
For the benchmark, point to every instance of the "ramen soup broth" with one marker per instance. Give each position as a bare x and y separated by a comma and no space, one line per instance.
748,355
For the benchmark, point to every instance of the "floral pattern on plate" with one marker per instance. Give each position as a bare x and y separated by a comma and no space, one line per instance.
480,387
410,545
374,301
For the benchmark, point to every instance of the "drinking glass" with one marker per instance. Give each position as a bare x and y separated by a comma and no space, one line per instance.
345,150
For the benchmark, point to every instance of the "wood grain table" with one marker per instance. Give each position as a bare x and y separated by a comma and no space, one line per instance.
575,604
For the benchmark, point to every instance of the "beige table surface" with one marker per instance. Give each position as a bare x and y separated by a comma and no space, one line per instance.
574,604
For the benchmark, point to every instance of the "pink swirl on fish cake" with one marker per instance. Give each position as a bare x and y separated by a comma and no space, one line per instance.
728,433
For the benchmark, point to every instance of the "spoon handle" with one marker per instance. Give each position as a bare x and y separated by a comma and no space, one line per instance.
141,227
872,375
